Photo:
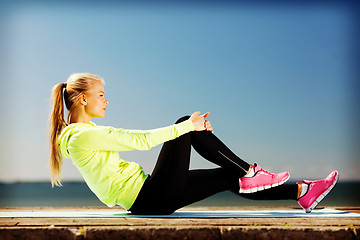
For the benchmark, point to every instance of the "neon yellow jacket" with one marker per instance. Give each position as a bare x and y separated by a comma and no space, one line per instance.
94,151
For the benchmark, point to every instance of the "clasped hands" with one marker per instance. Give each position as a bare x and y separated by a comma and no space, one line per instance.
200,122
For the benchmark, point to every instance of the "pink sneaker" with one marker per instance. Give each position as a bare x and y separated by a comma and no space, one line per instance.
261,180
317,190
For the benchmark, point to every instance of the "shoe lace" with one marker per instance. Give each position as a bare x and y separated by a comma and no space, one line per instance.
267,172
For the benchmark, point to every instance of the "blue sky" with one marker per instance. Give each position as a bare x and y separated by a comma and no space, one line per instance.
276,79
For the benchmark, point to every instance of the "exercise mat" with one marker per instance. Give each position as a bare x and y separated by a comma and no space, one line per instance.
326,212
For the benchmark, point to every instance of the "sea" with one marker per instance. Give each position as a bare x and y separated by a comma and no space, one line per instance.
78,194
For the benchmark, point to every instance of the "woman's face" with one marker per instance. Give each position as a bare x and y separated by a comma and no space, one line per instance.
96,102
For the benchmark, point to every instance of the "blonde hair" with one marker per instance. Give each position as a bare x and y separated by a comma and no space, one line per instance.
68,93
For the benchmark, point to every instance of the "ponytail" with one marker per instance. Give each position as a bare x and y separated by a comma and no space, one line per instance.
57,124
65,93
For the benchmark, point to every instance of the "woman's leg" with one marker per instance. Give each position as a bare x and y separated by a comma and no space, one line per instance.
174,158
215,151
172,185
282,192
198,185
202,184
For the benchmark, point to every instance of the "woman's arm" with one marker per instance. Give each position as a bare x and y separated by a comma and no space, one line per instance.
113,139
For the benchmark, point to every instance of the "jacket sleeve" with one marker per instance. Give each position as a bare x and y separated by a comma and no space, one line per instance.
113,139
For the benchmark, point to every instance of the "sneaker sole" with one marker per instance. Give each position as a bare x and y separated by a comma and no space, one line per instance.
321,197
257,189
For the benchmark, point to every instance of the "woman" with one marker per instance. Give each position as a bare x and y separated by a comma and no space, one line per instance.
94,150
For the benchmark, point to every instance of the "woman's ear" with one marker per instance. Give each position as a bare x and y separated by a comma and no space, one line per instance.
83,99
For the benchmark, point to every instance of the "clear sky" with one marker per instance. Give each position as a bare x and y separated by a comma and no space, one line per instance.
277,79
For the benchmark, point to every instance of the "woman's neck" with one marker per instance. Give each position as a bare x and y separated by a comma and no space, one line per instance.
79,117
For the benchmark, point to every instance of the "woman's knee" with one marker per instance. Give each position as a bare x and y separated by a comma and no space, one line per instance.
182,119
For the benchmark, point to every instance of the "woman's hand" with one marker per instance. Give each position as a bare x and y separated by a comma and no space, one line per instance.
200,123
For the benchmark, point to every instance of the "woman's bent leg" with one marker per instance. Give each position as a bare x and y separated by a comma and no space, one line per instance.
174,158
173,162
172,185
214,150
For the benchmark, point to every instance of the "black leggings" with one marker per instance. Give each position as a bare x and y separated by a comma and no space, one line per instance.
172,185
